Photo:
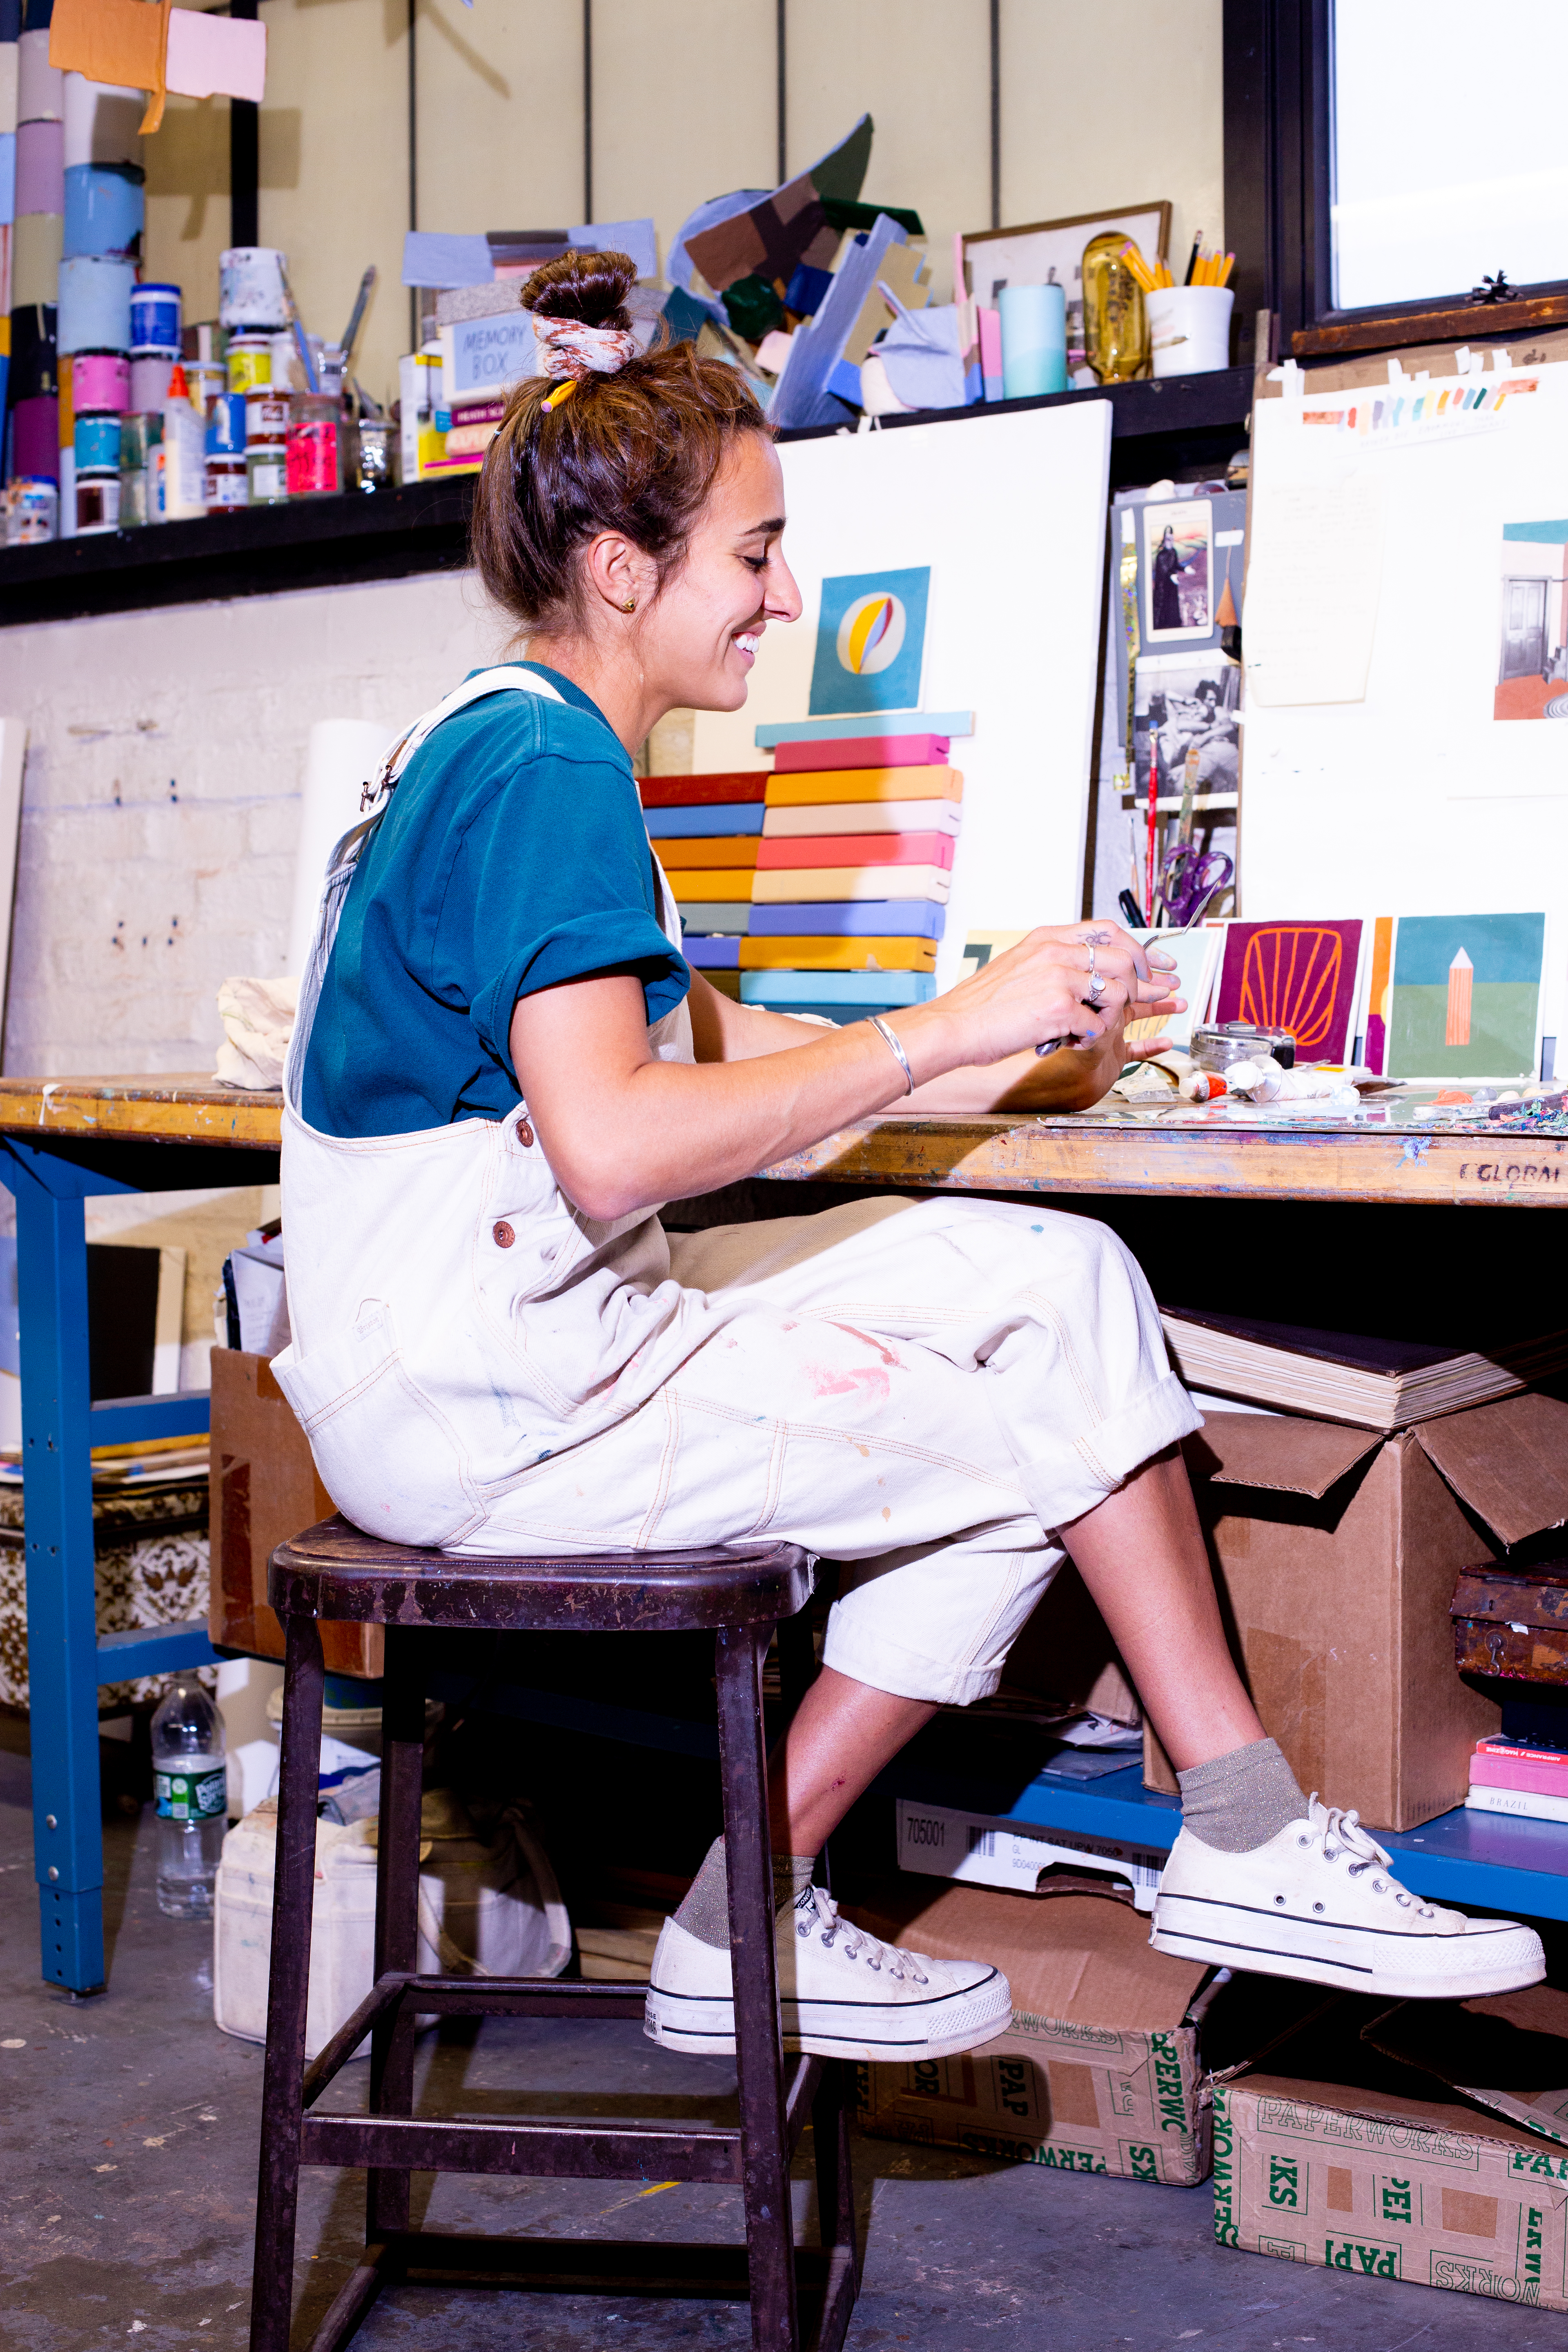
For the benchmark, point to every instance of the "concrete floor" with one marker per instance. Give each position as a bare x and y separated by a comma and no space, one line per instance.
128,2135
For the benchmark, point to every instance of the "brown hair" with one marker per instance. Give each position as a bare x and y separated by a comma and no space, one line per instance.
634,452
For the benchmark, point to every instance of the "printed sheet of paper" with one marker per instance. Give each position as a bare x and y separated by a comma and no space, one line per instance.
1314,577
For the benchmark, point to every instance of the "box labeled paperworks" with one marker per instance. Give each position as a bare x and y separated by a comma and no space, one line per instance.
1366,2152
1103,2067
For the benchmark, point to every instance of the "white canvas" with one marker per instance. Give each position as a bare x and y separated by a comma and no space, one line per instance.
1009,512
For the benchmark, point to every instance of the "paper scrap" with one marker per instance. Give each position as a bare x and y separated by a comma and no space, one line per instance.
116,41
430,259
1313,581
634,238
210,56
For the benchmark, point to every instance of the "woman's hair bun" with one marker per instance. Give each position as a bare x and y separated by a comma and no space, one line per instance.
588,287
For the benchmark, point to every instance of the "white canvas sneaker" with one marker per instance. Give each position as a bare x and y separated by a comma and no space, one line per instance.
843,1994
1318,1903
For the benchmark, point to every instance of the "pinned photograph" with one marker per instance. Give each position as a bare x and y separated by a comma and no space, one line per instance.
1178,571
1187,705
1533,660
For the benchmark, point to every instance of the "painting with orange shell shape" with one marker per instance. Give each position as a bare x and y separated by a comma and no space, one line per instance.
1299,975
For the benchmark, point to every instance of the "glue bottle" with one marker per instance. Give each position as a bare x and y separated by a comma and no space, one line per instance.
182,464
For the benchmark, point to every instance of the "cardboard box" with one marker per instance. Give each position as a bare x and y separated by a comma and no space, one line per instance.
1336,1553
264,1490
1100,2071
1356,2153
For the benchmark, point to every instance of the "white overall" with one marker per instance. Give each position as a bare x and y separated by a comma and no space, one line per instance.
926,1390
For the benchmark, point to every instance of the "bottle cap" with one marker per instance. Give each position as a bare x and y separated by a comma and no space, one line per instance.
178,387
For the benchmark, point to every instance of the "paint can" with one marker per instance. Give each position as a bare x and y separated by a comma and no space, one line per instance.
100,380
208,380
313,448
41,87
226,425
288,368
249,363
149,373
155,318
41,167
33,511
97,501
105,207
36,438
37,241
250,287
266,475
266,421
97,442
101,120
96,303
35,370
227,485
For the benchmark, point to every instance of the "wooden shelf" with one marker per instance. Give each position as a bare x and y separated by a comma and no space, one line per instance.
1180,422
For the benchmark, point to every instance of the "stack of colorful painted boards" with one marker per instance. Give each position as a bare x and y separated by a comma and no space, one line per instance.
822,888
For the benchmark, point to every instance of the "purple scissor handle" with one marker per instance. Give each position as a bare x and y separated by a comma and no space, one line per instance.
1190,878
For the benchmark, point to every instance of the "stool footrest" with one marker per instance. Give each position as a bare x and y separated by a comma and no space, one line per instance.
825,2275
554,2149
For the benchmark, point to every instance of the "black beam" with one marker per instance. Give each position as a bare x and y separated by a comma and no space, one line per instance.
244,156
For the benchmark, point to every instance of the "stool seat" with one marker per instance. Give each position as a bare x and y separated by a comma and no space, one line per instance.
737,1592
333,1570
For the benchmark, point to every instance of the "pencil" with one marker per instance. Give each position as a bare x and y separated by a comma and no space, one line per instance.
1225,267
1193,258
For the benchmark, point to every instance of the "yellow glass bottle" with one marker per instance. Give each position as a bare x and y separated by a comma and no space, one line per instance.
1115,323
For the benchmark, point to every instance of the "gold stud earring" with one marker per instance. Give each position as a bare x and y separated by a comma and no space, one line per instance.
630,605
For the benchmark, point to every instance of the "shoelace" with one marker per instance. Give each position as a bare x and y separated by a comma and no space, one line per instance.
817,1909
1330,1823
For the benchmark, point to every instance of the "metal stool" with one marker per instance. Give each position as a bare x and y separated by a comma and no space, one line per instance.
739,1593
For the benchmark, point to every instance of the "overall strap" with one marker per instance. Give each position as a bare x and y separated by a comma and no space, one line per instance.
347,852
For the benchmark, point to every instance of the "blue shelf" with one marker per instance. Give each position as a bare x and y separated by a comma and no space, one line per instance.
1487,1862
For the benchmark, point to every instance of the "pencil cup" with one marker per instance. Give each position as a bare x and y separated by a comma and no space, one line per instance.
1034,341
1189,327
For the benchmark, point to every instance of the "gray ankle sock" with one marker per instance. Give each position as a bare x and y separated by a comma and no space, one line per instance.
1238,1801
705,1912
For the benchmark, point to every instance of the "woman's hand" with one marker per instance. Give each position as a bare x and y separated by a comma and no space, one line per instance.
1077,981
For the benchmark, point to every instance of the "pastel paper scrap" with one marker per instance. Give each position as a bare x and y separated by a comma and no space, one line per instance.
433,259
633,237
116,41
210,56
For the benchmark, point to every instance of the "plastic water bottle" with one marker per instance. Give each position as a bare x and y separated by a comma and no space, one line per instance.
191,1790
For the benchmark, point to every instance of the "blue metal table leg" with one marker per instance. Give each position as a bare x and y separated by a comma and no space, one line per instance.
62,1632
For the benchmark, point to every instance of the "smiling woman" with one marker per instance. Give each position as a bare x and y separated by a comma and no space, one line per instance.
502,1065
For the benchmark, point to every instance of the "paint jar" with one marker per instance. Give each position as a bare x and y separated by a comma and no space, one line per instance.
101,380
266,420
226,425
37,242
32,511
312,446
228,485
1242,1041
266,475
35,371
41,87
101,120
140,436
97,443
374,469
249,363
207,379
288,368
96,301
40,153
36,437
105,207
1189,328
250,288
97,500
149,375
155,318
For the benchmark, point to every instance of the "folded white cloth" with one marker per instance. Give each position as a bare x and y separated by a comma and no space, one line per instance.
258,1016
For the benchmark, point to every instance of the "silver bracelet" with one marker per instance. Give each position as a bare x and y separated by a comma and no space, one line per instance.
893,1046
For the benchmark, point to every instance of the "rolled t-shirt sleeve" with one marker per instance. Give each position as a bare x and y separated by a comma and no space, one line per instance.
554,880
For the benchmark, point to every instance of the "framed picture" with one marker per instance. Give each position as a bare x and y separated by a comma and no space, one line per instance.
1050,253
1178,573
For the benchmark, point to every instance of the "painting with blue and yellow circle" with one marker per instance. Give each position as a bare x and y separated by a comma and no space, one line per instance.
871,642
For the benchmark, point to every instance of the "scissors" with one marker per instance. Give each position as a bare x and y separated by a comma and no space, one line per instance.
1190,878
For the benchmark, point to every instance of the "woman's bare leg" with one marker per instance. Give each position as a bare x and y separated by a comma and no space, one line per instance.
1141,1553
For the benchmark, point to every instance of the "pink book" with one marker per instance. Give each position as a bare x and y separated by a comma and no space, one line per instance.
861,752
1503,1764
801,851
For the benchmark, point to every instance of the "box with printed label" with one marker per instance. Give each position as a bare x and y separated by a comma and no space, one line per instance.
1384,2172
1102,2069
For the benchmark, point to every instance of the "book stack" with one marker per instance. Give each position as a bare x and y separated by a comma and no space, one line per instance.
1510,1776
822,888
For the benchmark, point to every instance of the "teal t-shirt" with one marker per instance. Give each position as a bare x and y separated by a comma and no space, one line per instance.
512,856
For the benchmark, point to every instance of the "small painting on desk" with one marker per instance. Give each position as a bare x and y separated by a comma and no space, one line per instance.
1197,952
871,642
1186,702
1465,1002
1301,976
1178,571
1533,653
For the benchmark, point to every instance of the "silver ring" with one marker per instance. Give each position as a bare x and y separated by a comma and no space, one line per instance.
1096,987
